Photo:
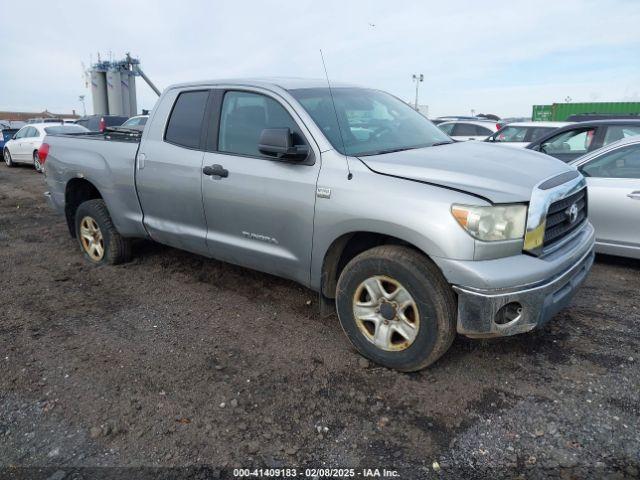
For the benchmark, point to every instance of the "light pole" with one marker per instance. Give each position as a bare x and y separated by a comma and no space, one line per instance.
84,109
417,78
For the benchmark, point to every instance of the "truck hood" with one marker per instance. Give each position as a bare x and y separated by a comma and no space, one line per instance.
502,175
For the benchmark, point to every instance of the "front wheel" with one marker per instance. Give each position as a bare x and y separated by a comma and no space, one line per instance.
36,162
7,157
396,307
99,240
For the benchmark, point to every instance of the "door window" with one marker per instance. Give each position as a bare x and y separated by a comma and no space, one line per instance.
33,132
619,132
511,134
620,163
572,141
244,115
185,123
22,133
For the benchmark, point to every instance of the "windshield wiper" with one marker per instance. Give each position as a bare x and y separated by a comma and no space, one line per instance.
447,142
391,150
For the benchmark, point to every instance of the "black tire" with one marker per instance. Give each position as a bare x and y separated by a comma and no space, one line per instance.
116,249
7,158
433,298
36,162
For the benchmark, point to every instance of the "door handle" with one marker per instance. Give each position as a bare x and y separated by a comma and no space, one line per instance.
216,171
634,195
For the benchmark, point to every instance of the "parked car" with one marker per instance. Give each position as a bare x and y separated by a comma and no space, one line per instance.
6,134
24,145
363,200
462,130
98,123
570,142
449,118
613,180
521,134
137,123
44,120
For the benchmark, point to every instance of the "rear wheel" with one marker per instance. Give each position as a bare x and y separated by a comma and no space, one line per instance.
396,307
36,162
99,240
7,157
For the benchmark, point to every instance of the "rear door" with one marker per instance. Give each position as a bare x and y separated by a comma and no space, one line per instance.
31,143
613,179
169,172
260,213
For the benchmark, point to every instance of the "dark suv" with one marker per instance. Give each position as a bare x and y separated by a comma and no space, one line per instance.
570,142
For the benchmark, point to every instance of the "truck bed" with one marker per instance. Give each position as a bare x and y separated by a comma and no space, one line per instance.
106,161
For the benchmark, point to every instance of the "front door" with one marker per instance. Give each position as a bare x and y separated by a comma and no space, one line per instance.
168,179
613,180
259,209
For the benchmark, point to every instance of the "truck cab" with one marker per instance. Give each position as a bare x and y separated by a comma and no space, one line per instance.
409,236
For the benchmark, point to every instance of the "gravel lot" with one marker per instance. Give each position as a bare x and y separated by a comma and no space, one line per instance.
177,360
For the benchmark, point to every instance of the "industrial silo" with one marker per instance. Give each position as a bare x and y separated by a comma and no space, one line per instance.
99,92
133,101
114,91
124,85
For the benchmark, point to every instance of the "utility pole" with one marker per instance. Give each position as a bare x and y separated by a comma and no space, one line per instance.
417,78
84,109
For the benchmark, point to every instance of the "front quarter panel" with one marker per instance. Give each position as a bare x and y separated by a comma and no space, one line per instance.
414,212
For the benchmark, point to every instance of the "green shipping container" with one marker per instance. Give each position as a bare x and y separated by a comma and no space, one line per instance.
559,112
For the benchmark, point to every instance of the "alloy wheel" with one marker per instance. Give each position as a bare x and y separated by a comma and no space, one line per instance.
91,239
386,313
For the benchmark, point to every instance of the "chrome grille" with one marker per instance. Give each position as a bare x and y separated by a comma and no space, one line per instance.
559,223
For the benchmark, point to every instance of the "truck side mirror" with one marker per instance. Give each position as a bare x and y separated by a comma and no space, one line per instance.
278,142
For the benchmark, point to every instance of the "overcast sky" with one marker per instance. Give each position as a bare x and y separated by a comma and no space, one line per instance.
493,57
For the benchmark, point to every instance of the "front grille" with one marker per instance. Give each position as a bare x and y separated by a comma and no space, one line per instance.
559,223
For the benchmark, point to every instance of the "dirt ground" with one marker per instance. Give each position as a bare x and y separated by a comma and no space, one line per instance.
175,360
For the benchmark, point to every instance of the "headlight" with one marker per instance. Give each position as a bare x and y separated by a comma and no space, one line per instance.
500,222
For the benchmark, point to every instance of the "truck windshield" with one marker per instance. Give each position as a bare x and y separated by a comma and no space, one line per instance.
371,122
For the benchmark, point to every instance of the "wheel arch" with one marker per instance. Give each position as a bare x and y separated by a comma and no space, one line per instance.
77,190
346,247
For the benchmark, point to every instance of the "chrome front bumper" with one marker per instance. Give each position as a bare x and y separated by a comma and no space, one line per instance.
478,308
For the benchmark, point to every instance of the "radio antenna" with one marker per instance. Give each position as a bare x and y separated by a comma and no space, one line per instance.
335,111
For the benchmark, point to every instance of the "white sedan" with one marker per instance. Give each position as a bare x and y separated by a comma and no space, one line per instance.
23,147
462,130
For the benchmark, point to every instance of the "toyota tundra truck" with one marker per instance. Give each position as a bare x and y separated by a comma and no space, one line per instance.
412,237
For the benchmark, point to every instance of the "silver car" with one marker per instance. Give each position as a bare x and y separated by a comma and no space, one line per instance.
613,180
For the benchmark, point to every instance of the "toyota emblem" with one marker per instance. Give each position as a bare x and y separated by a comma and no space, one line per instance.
572,213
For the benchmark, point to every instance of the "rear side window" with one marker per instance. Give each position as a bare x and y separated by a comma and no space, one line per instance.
615,133
483,131
447,127
465,130
185,123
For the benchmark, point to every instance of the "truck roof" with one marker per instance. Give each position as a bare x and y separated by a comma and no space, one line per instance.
286,83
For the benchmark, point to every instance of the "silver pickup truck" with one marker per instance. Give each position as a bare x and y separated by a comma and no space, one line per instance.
348,191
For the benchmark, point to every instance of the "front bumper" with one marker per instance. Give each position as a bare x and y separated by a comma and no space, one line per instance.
478,308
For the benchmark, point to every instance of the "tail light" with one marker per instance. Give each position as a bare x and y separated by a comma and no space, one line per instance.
43,152
498,126
102,124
